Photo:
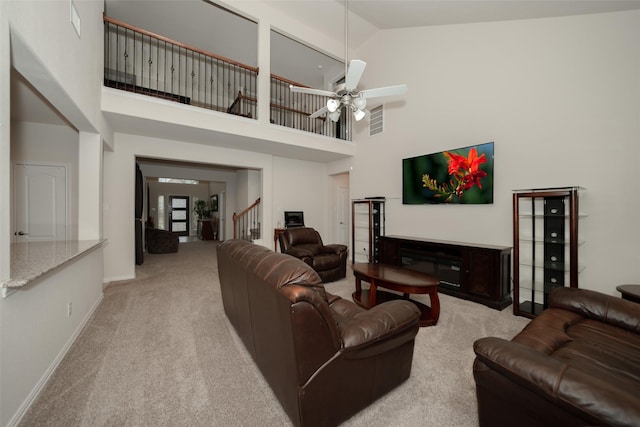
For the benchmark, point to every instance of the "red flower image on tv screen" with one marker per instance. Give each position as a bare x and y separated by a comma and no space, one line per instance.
462,176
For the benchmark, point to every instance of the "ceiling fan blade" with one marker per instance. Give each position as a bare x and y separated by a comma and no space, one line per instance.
311,91
384,91
356,68
318,113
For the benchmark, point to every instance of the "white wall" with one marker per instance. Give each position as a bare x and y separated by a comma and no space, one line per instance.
301,186
559,97
39,41
36,332
249,188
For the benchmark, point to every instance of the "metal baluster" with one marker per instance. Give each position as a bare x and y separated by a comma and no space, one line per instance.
157,66
193,73
126,55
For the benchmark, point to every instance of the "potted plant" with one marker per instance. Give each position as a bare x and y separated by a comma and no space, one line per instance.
201,208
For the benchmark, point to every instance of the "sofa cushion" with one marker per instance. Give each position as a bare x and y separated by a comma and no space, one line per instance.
277,270
303,235
595,348
314,249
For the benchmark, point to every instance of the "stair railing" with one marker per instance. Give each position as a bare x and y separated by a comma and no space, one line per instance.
246,224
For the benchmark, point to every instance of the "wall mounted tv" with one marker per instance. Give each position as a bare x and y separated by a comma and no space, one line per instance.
460,176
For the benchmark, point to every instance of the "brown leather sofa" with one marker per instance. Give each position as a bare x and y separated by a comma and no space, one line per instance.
330,261
575,364
324,357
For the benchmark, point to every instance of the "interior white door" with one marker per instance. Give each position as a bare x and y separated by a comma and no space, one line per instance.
40,202
343,206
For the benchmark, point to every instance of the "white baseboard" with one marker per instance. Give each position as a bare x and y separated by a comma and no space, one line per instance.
17,417
107,280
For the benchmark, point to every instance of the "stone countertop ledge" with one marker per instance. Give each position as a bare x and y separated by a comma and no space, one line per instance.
31,260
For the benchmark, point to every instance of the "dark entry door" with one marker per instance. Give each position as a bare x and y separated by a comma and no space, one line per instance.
179,215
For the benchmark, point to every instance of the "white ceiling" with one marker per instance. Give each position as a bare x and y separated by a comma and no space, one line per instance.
387,14
164,17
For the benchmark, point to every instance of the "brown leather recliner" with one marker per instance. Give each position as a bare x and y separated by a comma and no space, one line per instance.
575,364
324,357
329,261
161,241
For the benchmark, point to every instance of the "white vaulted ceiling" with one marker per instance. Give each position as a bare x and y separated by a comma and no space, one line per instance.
174,18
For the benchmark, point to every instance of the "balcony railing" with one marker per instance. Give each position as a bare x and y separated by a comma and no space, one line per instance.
140,61
292,109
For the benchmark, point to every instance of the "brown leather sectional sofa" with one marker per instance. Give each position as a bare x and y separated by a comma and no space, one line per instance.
576,364
324,357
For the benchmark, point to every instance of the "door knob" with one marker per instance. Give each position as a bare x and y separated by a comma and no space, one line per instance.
20,233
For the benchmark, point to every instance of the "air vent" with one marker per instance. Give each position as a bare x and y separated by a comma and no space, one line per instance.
376,121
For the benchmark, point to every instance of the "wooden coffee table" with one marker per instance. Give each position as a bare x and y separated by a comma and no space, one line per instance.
629,292
396,279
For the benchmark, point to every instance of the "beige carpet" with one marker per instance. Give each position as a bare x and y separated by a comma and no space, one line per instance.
159,351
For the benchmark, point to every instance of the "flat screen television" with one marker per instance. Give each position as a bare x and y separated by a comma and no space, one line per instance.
459,176
293,219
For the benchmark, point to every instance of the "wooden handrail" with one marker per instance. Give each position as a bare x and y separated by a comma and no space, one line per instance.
291,82
177,43
237,217
273,105
283,107
293,110
244,212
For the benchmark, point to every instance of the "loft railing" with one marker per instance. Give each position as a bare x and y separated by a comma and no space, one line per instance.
246,224
140,61
292,109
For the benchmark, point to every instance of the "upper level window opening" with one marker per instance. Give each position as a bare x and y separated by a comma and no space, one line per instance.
179,181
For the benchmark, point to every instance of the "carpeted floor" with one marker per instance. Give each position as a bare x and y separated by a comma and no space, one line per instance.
159,351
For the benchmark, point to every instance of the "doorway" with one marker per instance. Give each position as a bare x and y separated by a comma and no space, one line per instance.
179,215
40,202
342,219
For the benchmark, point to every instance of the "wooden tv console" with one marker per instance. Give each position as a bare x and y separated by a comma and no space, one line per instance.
479,273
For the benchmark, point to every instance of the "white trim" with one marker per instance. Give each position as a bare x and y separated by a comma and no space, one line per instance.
107,280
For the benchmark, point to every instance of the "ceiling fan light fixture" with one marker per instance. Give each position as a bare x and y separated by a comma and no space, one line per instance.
358,114
360,102
334,115
332,105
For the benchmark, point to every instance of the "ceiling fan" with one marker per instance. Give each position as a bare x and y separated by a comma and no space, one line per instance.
346,96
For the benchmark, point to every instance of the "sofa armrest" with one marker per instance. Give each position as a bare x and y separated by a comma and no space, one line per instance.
558,382
595,305
299,252
380,328
333,249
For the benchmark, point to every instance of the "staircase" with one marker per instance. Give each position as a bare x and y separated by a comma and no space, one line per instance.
246,224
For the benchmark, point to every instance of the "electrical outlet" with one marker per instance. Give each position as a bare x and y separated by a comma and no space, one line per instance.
69,309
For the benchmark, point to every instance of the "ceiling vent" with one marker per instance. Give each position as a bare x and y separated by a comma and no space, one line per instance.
376,121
